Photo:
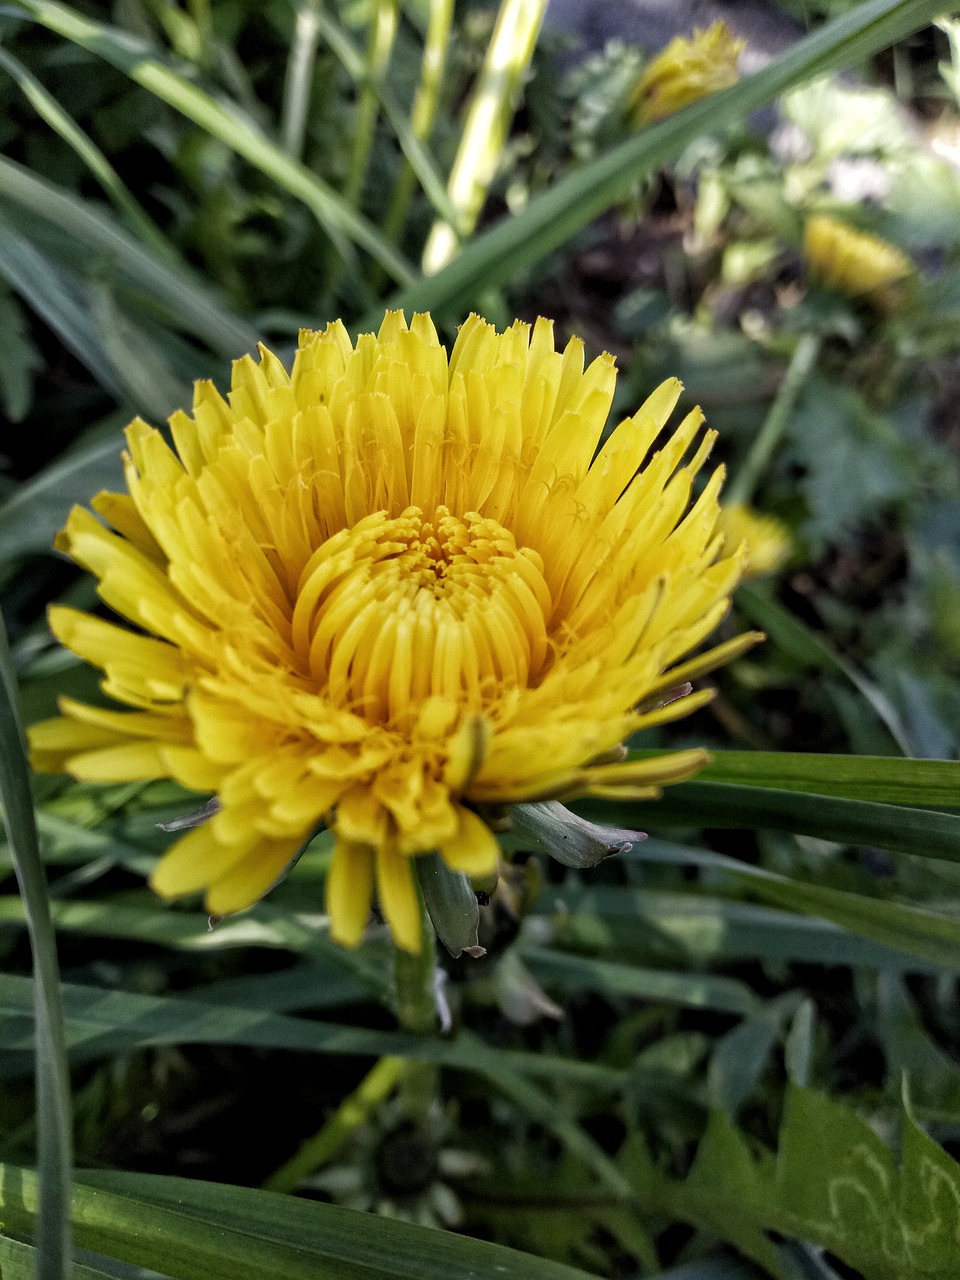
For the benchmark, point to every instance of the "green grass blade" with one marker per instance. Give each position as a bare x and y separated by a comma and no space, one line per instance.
53,1081
709,930
19,1262
52,293
62,123
884,779
815,650
552,218
140,62
189,303
99,1023
689,990
905,927
925,832
36,510
206,1231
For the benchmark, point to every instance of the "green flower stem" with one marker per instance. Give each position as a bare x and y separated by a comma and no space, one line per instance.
758,458
423,111
416,1009
355,1110
299,78
416,1005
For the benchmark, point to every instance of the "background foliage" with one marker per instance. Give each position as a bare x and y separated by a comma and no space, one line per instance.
735,1048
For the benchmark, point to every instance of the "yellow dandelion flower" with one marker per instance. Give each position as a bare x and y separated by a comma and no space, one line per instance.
853,262
688,69
386,590
766,542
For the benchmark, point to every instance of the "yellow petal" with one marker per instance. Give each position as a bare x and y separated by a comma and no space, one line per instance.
349,890
249,879
398,898
474,849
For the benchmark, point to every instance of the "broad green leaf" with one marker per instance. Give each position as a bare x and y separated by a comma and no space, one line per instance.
833,1182
884,779
550,219
100,1022
204,1231
143,65
53,1080
189,303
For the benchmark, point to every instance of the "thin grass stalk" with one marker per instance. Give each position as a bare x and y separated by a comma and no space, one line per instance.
765,442
355,1111
383,33
423,164
299,79
488,119
423,111
54,1121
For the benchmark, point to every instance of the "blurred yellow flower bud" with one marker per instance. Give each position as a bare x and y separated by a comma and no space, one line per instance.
854,263
766,540
688,69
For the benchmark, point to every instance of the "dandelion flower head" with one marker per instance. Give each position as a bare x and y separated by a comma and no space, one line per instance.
387,590
688,69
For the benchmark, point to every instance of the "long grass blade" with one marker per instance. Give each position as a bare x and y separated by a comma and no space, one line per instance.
54,1155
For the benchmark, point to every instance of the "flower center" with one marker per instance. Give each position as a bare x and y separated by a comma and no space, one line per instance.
394,611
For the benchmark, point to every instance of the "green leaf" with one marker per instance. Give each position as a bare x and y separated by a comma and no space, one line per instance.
58,299
227,123
18,1261
883,779
53,1080
701,928
205,1231
551,218
910,929
50,111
